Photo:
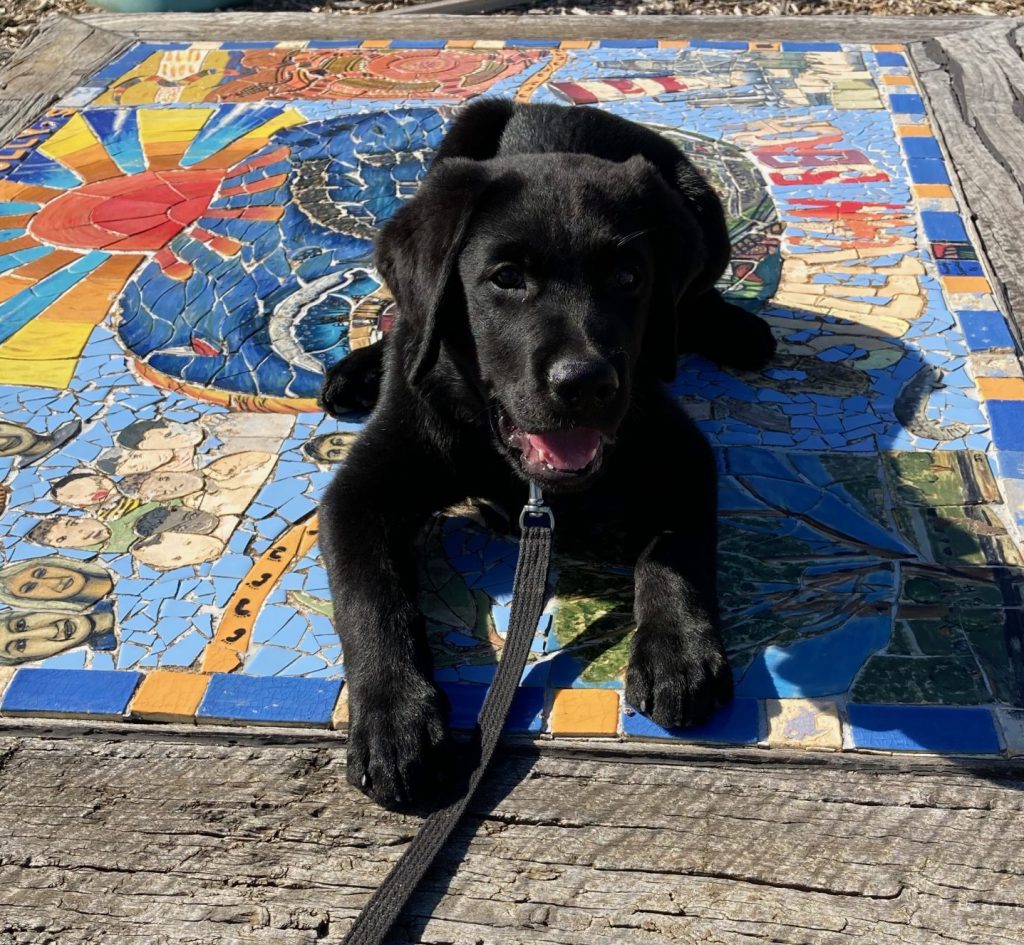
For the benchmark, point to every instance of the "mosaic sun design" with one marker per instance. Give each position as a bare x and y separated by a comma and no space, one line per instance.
186,248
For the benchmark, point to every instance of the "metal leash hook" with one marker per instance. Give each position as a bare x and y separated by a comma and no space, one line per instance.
535,508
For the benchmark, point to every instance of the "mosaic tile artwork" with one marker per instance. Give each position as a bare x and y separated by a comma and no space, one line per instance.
186,247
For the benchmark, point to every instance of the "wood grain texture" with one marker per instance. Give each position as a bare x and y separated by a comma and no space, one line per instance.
974,82
61,55
167,836
298,26
448,7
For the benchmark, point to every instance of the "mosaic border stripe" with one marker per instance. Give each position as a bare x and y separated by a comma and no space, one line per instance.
234,699
137,53
963,277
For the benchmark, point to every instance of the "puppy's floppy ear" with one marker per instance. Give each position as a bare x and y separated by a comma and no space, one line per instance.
680,258
476,132
417,251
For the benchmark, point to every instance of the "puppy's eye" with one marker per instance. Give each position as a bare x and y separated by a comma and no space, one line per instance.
508,277
625,277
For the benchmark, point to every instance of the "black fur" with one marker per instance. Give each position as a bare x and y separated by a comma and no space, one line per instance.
618,242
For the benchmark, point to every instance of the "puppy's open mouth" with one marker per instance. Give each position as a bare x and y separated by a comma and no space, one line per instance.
554,455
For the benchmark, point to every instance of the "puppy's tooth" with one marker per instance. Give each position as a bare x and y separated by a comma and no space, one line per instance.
643,705
365,781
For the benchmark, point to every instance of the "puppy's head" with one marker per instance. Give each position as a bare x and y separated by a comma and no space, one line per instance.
547,285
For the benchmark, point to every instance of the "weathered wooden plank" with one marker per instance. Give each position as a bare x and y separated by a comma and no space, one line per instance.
61,55
975,85
165,837
451,7
299,26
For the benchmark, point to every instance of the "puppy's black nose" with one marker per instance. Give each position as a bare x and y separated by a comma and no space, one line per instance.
583,384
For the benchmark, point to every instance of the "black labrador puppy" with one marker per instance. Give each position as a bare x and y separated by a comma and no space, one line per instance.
548,272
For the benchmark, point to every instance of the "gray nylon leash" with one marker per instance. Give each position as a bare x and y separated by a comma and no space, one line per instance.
528,591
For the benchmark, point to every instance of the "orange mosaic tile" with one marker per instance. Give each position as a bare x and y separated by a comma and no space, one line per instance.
165,696
923,130
1001,388
966,284
221,658
935,191
584,712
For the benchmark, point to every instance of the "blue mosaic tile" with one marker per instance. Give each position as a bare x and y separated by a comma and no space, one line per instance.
467,700
1011,464
925,171
626,43
737,724
70,659
419,43
184,651
927,148
715,44
942,225
923,728
796,46
985,330
69,692
538,43
1007,424
271,700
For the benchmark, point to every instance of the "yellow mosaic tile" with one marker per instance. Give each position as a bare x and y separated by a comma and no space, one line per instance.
339,717
6,675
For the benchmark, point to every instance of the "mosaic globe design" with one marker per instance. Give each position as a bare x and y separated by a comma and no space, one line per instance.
274,282
257,299
754,227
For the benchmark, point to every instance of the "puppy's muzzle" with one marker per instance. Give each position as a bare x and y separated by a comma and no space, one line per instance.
583,388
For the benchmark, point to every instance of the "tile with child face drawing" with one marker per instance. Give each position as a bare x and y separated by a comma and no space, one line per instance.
163,501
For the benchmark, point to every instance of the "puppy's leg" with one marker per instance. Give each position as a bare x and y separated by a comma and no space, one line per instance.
678,672
723,332
369,519
354,382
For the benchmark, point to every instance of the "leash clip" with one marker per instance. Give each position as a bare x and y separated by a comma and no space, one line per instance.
536,509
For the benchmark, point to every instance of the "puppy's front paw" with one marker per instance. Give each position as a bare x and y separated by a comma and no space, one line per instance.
398,753
353,383
677,676
754,347
742,340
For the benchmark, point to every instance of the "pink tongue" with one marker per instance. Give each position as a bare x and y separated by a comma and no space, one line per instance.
565,450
